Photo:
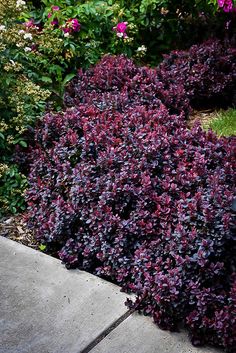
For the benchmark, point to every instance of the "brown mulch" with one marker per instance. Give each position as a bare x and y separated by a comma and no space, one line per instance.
16,229
203,116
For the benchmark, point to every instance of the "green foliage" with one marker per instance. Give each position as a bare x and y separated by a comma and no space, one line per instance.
12,187
166,24
159,25
42,247
22,101
95,37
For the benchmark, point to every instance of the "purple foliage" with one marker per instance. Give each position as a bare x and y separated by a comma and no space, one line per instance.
124,189
206,72
204,75
116,83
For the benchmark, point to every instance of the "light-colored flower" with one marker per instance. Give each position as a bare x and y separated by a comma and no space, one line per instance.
66,34
164,11
120,34
28,36
142,48
27,49
2,28
20,4
21,31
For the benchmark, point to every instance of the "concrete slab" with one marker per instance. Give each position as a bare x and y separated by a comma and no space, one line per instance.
45,308
138,334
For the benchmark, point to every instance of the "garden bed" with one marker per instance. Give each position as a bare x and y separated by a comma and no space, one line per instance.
122,180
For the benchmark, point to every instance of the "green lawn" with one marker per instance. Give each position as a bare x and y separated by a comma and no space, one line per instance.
224,123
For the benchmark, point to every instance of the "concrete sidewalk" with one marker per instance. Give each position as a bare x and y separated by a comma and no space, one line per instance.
45,308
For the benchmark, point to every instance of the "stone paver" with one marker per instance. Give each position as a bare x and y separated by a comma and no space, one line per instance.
138,334
45,308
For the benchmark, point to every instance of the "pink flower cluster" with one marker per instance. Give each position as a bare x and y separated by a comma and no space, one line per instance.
227,5
72,25
120,29
30,24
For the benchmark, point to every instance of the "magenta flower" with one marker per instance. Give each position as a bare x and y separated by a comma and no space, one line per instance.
49,14
29,24
226,5
120,29
72,25
66,29
55,8
54,22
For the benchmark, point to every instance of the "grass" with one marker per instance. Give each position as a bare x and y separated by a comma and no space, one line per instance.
224,123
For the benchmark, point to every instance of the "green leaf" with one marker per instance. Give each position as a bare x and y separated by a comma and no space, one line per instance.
68,78
42,247
14,210
23,143
46,79
2,136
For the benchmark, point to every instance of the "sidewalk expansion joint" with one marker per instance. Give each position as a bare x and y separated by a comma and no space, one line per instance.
106,332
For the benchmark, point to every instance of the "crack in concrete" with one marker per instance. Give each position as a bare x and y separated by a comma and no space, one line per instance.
106,332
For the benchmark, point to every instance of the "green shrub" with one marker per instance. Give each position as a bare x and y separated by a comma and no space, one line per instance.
22,99
158,25
12,188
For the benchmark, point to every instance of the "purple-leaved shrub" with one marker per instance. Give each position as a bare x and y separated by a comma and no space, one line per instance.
122,188
116,83
205,75
206,72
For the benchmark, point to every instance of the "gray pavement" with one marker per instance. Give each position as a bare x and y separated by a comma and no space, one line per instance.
138,334
45,308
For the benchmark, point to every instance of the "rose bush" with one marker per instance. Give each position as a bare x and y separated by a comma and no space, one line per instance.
157,25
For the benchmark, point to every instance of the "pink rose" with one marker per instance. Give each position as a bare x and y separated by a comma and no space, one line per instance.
75,24
55,8
221,3
29,24
72,25
54,22
121,27
226,5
